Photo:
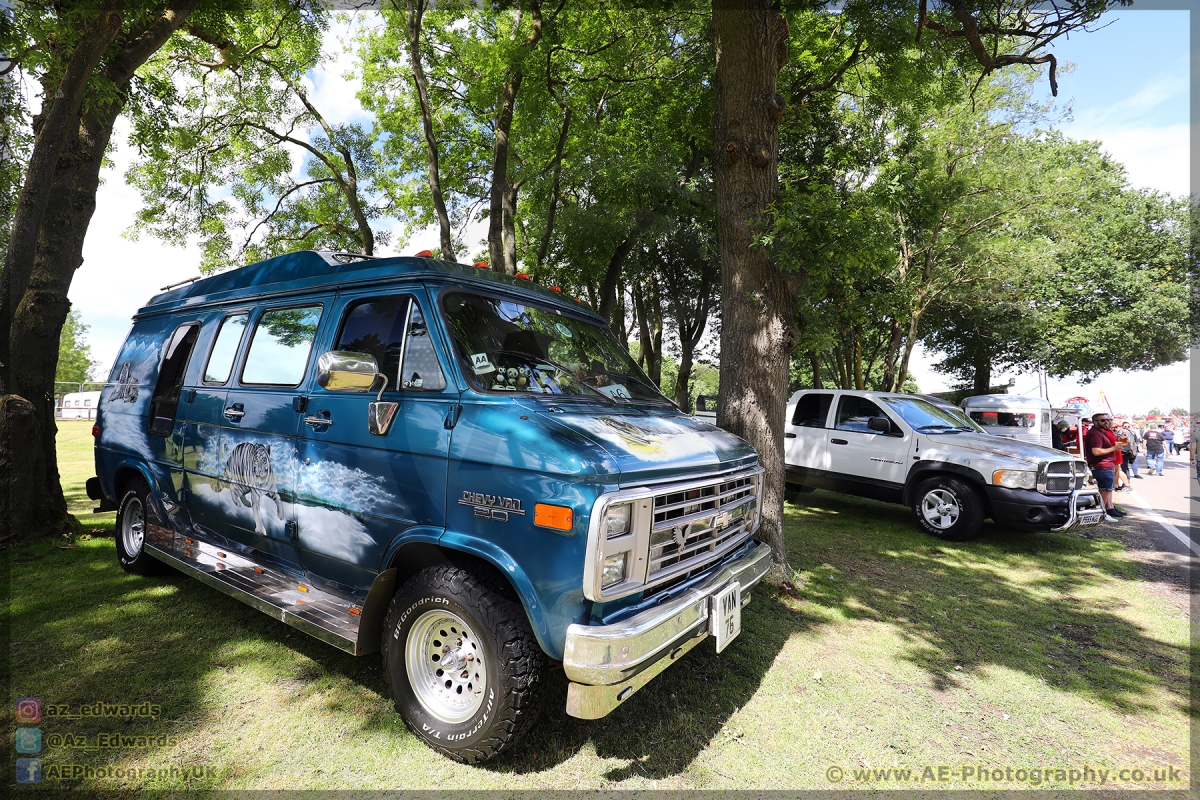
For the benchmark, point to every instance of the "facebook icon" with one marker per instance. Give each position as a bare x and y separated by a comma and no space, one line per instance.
29,770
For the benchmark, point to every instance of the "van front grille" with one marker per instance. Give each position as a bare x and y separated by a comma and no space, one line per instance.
700,524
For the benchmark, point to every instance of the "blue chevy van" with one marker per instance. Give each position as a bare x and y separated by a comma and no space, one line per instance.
461,470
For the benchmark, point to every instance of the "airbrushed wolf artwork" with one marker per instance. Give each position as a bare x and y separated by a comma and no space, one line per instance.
326,438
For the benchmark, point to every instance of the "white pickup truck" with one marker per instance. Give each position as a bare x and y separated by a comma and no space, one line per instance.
903,449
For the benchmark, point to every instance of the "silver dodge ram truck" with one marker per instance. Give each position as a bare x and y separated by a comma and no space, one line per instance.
902,449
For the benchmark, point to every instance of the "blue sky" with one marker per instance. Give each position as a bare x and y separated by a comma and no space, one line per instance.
1129,90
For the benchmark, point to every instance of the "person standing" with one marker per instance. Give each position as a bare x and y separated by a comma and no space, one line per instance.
1168,436
1129,450
1100,452
1155,445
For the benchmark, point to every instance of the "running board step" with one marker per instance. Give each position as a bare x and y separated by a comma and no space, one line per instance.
334,619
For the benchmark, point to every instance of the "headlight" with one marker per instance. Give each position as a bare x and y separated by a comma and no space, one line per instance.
613,571
1015,478
616,520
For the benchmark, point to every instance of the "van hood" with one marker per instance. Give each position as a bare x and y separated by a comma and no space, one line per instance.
652,443
994,445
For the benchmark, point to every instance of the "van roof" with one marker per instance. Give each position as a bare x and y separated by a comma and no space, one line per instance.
312,270
1003,401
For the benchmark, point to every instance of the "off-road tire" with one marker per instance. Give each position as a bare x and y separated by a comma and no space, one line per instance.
969,519
137,507
513,661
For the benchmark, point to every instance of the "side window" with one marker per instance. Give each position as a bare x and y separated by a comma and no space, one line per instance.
854,413
812,410
393,330
220,360
421,368
376,327
165,400
281,345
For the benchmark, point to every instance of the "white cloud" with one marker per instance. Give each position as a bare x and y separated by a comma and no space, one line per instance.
1128,392
1155,158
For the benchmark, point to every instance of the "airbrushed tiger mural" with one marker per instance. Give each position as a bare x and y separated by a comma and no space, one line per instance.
250,478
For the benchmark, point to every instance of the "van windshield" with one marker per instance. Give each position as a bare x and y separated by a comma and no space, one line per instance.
507,346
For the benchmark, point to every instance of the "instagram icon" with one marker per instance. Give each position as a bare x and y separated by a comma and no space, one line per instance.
29,709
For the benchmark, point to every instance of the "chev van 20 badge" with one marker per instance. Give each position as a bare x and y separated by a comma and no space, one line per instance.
489,506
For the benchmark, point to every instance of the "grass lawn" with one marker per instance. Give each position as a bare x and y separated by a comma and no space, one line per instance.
1029,652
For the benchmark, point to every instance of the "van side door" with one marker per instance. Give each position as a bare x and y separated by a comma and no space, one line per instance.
202,412
355,491
163,423
258,428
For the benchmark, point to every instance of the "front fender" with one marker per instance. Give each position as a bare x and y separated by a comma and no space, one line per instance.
547,626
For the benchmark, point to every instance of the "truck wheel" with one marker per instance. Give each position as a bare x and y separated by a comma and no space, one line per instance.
947,508
462,663
132,517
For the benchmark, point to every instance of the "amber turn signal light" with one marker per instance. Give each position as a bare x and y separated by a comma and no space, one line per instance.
424,254
559,518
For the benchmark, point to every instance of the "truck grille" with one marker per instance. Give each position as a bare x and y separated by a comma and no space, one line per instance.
1064,476
700,524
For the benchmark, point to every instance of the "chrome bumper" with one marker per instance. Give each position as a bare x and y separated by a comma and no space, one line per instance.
608,663
1088,518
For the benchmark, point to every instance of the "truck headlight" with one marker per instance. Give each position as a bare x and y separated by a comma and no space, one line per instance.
616,520
1015,478
613,571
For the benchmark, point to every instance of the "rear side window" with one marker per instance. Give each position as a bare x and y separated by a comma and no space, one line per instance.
393,330
812,410
280,347
855,412
1004,419
220,360
165,400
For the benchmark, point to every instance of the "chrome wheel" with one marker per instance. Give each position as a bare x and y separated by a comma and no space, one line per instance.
133,527
940,508
444,661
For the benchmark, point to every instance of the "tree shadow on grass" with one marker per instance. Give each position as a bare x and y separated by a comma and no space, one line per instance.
1041,604
102,635
663,728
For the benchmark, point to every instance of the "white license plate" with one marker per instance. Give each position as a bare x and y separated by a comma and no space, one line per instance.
725,615
1087,519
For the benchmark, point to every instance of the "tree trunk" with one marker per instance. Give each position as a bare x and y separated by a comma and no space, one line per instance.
759,310
499,193
556,187
889,359
683,383
32,502
983,371
498,251
53,128
859,382
612,278
416,11
814,361
909,343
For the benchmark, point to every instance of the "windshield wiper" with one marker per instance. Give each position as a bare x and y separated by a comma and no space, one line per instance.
942,428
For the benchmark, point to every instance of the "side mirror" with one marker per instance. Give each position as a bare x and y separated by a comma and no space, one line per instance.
346,371
880,424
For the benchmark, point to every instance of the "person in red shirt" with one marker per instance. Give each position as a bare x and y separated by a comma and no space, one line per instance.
1100,452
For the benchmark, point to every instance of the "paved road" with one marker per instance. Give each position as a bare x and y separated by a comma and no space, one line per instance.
1166,504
